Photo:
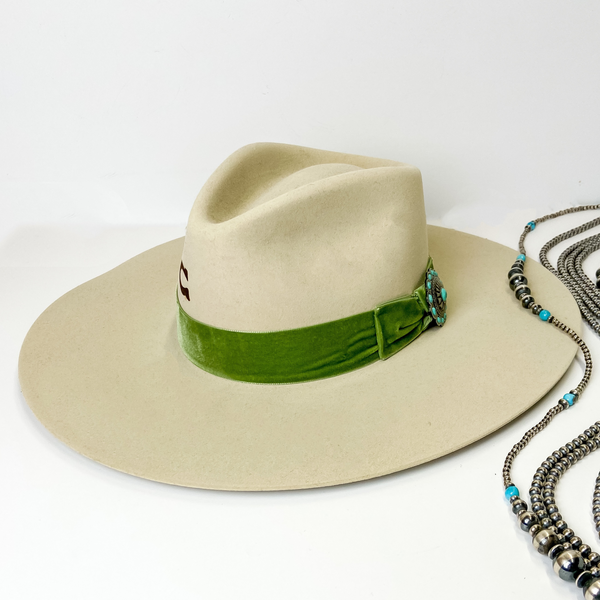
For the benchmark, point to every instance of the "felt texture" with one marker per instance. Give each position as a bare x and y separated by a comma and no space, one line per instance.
306,353
102,369
283,237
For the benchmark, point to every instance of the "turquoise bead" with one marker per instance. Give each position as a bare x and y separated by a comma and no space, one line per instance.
531,225
434,312
429,276
429,285
521,257
510,491
444,294
439,319
444,316
545,315
570,398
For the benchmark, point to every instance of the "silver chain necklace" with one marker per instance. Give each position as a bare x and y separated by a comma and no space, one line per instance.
573,560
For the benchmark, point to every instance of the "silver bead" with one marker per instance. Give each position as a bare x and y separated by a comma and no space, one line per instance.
544,540
593,591
584,580
527,519
568,565
551,509
560,525
534,529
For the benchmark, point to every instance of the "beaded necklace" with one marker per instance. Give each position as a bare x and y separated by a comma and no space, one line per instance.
573,560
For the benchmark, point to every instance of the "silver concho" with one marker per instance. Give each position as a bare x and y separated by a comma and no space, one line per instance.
436,297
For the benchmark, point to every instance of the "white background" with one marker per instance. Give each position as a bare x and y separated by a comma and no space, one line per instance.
112,116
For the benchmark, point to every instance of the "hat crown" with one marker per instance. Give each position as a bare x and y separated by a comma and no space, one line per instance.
284,236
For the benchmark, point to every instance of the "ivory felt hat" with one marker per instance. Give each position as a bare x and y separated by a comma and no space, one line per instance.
310,329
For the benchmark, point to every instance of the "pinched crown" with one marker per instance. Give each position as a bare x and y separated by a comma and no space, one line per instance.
283,236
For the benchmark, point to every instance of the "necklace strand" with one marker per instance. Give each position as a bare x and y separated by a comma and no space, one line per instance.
573,560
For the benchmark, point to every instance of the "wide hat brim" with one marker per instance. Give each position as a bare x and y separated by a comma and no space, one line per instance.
101,368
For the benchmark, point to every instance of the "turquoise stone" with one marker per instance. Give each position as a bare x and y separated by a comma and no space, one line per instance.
429,285
434,273
439,319
434,312
531,225
444,316
429,276
444,294
430,298
521,257
510,491
545,315
570,398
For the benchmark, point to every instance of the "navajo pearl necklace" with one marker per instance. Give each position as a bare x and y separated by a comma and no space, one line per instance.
572,559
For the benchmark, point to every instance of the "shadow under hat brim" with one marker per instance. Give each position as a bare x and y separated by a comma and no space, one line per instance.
101,368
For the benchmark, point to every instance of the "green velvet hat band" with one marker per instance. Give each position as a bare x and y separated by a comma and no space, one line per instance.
314,352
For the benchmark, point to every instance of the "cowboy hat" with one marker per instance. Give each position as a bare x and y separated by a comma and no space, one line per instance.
310,329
